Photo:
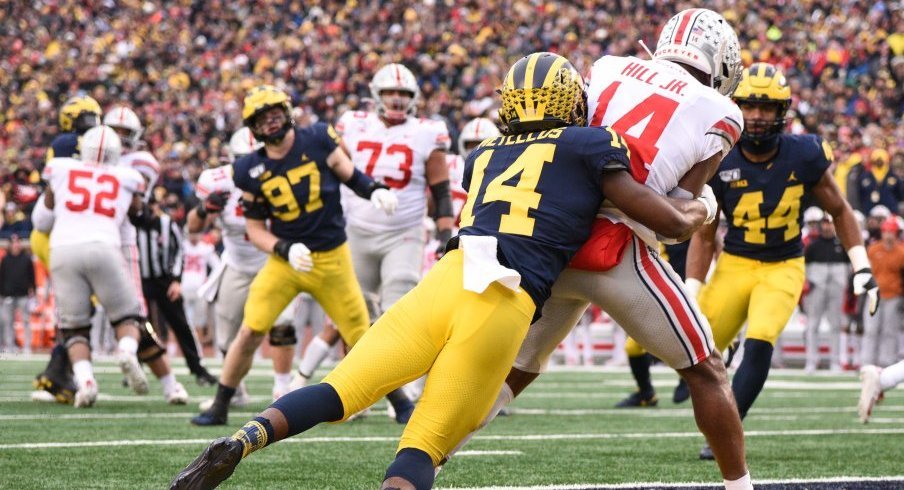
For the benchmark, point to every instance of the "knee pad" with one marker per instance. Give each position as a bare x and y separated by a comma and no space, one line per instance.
72,336
149,346
282,335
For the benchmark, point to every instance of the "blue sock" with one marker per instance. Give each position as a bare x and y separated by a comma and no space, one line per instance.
413,465
752,373
309,406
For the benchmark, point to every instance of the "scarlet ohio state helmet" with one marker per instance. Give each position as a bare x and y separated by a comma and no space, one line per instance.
123,118
394,77
704,40
475,131
100,145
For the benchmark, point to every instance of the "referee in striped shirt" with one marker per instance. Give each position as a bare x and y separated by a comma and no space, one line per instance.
160,249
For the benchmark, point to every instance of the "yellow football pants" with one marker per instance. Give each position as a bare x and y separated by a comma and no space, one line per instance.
331,282
465,342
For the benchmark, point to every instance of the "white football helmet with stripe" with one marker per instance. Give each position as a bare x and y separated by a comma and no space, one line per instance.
100,145
121,117
242,143
704,40
394,77
475,131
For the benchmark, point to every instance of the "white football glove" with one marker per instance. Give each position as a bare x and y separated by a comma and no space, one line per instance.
709,200
300,258
384,200
864,282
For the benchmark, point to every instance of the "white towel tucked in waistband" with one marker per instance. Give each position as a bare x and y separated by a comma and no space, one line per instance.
482,265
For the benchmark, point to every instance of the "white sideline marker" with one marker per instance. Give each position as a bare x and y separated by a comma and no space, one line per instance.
615,486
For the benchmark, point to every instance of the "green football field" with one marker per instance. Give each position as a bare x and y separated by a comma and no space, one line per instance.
562,433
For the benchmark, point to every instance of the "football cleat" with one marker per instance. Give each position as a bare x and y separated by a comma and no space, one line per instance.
137,380
176,396
870,391
204,378
212,467
54,391
210,417
706,453
682,393
241,398
638,400
298,381
86,394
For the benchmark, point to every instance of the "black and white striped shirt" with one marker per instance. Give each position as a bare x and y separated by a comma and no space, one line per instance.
159,246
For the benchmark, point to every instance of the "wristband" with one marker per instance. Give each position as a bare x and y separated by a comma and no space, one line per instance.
281,248
859,260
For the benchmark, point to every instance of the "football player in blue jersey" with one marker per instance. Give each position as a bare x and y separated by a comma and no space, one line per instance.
293,181
533,194
759,275
78,114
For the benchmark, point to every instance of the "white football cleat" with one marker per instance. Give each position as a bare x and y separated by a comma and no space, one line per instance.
870,391
86,394
135,376
177,396
298,381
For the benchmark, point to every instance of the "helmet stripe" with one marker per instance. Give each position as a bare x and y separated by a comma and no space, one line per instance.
529,71
398,74
100,147
553,69
682,27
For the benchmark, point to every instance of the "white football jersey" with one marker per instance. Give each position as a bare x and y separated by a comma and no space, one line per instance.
456,175
668,119
396,155
196,258
90,201
238,252
141,161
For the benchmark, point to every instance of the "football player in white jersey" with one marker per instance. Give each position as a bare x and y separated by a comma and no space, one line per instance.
675,115
90,199
228,285
409,155
197,257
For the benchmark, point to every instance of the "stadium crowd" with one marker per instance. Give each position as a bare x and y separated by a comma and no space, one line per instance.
185,67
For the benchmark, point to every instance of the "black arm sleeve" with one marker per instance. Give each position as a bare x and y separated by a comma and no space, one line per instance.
442,199
256,209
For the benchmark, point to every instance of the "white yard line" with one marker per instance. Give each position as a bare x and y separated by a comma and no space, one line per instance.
526,437
599,486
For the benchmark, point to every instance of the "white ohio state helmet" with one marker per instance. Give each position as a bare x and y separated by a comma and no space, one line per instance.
242,143
100,145
704,40
394,77
476,130
121,117
813,214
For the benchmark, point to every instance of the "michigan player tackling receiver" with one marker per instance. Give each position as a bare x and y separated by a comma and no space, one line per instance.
294,182
533,195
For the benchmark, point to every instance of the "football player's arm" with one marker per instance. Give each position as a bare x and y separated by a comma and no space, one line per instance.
700,254
669,217
137,204
438,180
828,195
255,224
695,178
48,198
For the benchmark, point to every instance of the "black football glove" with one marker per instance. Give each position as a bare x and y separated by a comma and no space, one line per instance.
443,236
216,202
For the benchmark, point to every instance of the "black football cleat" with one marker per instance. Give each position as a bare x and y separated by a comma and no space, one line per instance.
638,400
682,393
210,417
204,378
212,467
706,453
57,378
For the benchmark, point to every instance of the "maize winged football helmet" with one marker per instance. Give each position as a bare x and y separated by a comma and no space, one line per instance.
79,114
542,91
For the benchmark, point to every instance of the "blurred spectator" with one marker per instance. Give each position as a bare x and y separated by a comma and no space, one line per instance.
827,268
15,222
17,287
879,184
880,332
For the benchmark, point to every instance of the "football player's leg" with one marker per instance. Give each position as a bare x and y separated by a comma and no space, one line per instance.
561,312
230,306
402,265
647,298
888,332
464,381
401,346
363,247
725,298
772,303
282,343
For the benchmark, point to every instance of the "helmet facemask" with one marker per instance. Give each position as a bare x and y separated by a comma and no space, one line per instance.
271,126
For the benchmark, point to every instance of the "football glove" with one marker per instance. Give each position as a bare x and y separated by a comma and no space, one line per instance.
443,236
864,282
384,200
216,202
296,254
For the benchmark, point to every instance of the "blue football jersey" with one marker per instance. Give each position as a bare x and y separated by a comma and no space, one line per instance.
538,194
63,146
301,191
762,201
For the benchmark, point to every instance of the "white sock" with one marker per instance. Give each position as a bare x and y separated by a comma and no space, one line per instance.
83,371
128,345
282,380
891,376
314,355
168,382
742,483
